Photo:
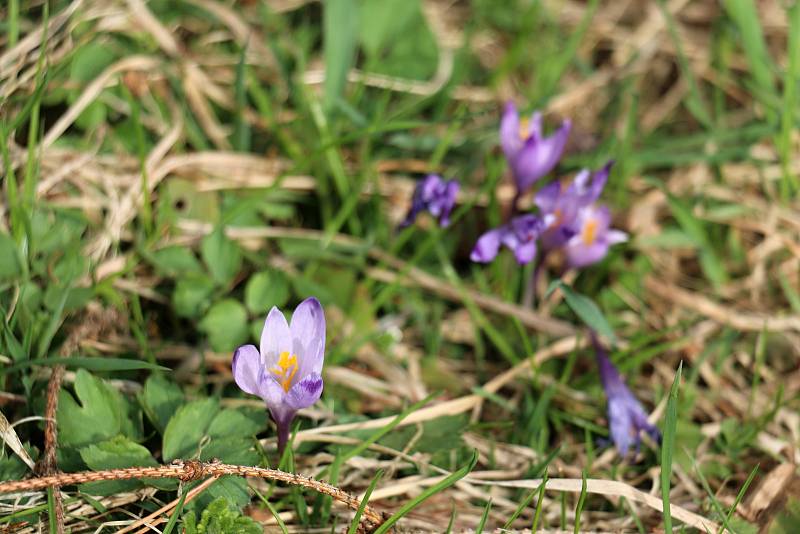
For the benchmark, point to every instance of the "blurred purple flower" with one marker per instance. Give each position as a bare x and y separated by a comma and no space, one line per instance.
593,236
563,203
530,154
285,372
519,235
626,417
435,195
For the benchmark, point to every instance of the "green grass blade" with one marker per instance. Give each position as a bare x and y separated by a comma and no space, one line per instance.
745,15
524,504
668,446
273,511
581,503
364,501
433,490
340,27
173,519
537,516
484,517
789,183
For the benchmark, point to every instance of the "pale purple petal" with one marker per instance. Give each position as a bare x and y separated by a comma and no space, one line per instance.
275,337
546,199
247,369
305,393
535,126
539,156
487,246
616,236
509,131
308,335
580,255
525,252
272,392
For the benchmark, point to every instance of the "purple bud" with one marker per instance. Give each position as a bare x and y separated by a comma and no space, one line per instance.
435,195
519,235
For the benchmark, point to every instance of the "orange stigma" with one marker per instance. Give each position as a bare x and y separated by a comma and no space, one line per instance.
524,128
287,367
589,231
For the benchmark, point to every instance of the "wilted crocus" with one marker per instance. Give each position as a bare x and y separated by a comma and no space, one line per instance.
626,417
285,372
530,154
593,236
436,195
519,235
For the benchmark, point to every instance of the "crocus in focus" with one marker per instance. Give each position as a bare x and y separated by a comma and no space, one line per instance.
437,196
285,371
563,202
530,154
519,235
626,417
593,236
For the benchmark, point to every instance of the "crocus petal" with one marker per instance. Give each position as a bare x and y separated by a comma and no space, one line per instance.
525,252
509,131
487,246
275,337
547,197
308,335
539,156
535,125
620,425
616,236
580,255
305,393
247,369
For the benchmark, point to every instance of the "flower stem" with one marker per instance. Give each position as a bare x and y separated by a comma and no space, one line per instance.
283,436
529,295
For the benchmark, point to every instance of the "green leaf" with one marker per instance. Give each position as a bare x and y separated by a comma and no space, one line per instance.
226,325
266,289
117,453
9,258
102,413
383,21
585,309
668,446
175,261
221,255
220,518
88,364
186,429
233,423
192,295
160,399
340,30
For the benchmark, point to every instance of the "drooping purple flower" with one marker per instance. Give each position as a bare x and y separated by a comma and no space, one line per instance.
519,235
563,202
593,236
530,154
437,196
285,372
626,417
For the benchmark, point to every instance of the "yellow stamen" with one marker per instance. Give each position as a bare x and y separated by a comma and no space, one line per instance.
589,231
524,128
287,367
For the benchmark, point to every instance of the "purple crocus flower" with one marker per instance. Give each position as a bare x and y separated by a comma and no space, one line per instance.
436,195
285,372
626,417
530,154
563,203
519,235
592,236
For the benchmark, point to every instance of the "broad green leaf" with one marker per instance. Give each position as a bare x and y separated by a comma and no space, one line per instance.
175,261
340,31
221,255
220,518
160,398
586,310
87,364
187,428
116,453
266,289
192,294
102,413
384,21
9,259
232,423
226,325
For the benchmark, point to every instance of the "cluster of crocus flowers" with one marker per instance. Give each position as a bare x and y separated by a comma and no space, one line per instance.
626,417
285,370
568,217
435,195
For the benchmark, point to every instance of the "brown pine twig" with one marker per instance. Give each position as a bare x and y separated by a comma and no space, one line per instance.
188,471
